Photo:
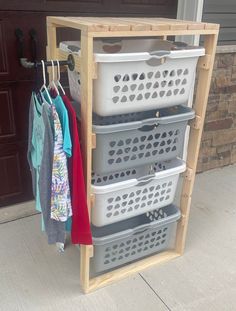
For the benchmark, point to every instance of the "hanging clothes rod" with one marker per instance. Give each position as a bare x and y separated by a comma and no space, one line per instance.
70,62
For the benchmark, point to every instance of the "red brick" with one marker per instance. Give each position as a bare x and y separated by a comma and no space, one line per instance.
224,137
205,143
225,60
207,152
224,148
224,155
218,124
213,163
216,115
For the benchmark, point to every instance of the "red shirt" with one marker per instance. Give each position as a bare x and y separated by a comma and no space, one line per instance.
80,229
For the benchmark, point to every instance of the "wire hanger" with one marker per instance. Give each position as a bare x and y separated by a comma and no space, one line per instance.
52,84
44,87
58,83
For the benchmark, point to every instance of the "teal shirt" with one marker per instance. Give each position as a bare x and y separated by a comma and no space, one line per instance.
37,143
63,116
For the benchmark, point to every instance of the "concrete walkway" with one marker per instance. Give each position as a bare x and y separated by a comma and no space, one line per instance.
33,276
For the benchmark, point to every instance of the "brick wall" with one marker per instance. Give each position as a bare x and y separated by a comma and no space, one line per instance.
218,147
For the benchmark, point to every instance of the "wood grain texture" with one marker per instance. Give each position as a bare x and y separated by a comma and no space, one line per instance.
96,27
86,134
202,91
119,25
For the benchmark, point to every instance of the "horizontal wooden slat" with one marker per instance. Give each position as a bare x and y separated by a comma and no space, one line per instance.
113,25
135,267
108,24
136,24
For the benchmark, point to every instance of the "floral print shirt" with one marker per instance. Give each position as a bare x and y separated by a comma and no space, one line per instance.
61,208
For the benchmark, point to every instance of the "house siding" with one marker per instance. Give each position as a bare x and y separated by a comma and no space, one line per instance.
223,13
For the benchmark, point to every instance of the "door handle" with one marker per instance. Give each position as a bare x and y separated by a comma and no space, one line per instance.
20,42
33,44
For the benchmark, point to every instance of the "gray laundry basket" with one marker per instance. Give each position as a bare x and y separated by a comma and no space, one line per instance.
131,239
136,139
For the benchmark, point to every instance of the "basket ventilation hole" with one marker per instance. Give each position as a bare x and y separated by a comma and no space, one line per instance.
124,99
150,74
134,76
186,72
157,75
142,76
165,73
177,82
182,91
162,93
117,78
148,85
170,83
118,160
147,95
169,93
133,87
132,97
179,71
125,88
116,88
141,87
120,143
184,81
172,73
140,97
163,83
154,95
156,85
115,99
176,91
126,78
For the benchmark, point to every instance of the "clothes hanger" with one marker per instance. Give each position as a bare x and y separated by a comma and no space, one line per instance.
52,84
44,87
58,83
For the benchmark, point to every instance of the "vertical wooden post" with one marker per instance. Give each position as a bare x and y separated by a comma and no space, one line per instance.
203,86
51,44
86,128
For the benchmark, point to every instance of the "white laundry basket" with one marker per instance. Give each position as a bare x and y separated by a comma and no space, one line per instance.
131,192
138,74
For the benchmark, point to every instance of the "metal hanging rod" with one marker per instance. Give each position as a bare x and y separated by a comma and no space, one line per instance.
70,62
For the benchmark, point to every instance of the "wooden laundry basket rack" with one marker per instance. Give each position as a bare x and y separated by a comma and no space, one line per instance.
92,27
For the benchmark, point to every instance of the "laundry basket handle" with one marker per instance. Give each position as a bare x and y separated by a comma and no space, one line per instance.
144,181
159,54
147,128
141,228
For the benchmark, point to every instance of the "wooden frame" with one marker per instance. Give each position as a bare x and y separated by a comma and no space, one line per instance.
92,27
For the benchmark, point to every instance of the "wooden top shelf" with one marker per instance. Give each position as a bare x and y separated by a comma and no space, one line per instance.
129,24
